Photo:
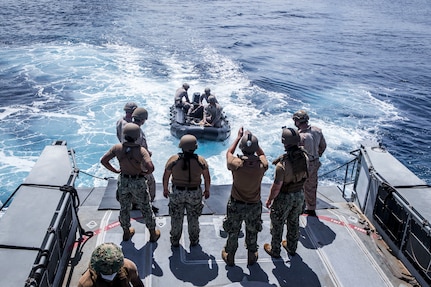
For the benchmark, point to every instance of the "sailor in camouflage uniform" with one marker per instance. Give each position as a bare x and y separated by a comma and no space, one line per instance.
135,164
186,169
244,203
108,267
287,196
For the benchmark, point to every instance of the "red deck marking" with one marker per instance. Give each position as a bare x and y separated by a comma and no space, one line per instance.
352,226
83,239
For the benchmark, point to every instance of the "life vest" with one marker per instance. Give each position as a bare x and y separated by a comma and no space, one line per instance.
298,160
193,156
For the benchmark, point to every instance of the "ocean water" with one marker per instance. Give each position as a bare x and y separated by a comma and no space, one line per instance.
360,68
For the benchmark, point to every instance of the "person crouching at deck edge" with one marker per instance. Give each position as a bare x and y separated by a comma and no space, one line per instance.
286,196
108,267
186,169
244,203
135,164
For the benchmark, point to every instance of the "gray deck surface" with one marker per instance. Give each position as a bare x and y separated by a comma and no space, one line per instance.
334,248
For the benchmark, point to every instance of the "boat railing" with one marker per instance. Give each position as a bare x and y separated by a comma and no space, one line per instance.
346,184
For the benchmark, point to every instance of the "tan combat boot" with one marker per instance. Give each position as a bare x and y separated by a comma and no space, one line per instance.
284,244
268,249
154,235
252,257
228,258
128,233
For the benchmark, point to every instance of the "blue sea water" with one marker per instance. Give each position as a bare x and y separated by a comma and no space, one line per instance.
360,68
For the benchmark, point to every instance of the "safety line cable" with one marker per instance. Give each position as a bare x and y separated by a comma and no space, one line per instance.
98,177
339,167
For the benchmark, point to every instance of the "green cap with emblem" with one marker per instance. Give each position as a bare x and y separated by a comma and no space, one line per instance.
107,259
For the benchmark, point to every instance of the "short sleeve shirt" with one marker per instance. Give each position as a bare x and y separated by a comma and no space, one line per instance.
214,111
247,177
120,127
313,141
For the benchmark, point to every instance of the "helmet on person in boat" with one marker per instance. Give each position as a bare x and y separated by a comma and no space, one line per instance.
207,91
301,116
212,99
130,107
249,143
188,143
186,86
107,259
196,98
132,130
289,137
140,114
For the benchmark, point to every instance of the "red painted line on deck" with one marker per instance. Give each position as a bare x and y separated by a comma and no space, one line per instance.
352,226
83,239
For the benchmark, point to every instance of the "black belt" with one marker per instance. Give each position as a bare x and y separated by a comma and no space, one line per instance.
132,176
241,202
185,187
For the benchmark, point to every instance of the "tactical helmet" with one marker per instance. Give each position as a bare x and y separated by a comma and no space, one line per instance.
188,143
107,259
249,143
196,97
207,90
186,86
289,137
212,99
301,116
130,107
132,130
140,114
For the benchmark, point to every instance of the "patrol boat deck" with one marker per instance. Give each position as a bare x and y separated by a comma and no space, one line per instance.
380,238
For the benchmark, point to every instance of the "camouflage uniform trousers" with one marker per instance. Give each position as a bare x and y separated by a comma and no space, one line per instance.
151,183
151,186
310,185
134,190
236,213
191,202
286,209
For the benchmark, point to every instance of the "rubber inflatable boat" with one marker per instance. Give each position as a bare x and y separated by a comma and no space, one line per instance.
180,126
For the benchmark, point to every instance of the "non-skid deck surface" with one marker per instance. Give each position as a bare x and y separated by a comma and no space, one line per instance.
109,200
334,250
215,204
